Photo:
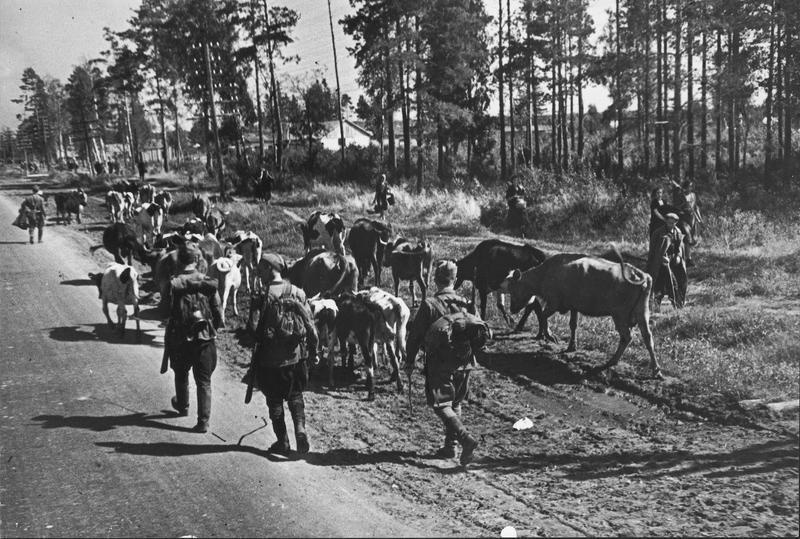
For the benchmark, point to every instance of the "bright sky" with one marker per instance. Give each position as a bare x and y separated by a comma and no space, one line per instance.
52,36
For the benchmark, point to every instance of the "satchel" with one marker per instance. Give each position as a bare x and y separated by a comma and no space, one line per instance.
22,220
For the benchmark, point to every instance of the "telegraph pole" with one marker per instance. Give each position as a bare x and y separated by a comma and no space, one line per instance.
338,88
217,148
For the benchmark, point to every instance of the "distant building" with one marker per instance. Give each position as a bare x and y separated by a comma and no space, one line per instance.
354,134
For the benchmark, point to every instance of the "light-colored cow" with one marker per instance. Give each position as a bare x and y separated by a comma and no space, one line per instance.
119,284
150,217
115,205
229,278
390,329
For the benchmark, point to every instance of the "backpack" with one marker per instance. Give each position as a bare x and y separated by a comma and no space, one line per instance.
439,337
282,324
191,313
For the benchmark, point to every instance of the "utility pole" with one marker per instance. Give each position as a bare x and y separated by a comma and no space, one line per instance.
338,88
212,106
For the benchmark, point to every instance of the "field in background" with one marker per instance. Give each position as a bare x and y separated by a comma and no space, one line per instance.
738,336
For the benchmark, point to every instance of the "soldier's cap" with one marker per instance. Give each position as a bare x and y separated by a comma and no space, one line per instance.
35,188
672,216
271,261
445,272
189,253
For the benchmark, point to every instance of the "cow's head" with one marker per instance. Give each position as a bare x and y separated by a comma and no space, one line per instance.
97,279
81,195
514,285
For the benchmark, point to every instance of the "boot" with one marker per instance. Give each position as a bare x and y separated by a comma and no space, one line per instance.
468,445
183,411
297,408
448,450
281,445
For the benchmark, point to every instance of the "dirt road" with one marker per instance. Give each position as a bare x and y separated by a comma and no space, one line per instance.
618,454
89,446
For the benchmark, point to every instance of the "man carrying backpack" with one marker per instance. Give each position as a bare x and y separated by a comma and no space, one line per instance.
286,339
440,382
195,315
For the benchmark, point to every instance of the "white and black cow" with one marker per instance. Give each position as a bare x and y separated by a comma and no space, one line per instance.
119,284
326,229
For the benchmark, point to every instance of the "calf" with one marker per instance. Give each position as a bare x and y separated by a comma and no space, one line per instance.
215,221
121,241
229,278
128,203
409,263
210,246
250,247
325,312
367,241
200,204
69,203
356,322
326,229
591,286
390,328
150,217
115,203
488,265
163,199
119,284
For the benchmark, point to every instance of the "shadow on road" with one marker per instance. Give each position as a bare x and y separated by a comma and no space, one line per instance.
109,422
77,282
540,367
13,242
648,465
102,332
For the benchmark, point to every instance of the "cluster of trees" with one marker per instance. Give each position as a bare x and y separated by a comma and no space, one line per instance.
696,86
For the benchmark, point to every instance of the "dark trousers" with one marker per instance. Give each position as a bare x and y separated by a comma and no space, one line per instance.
201,358
446,399
285,384
35,221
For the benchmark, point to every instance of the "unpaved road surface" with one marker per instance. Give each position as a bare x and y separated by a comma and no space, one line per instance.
616,454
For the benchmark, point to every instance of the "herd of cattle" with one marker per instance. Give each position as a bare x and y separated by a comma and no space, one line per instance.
336,263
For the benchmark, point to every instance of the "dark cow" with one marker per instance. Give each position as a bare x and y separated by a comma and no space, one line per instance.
592,286
262,186
146,193
356,321
296,271
323,228
409,263
194,225
488,265
215,221
121,240
163,199
69,203
367,241
330,274
201,205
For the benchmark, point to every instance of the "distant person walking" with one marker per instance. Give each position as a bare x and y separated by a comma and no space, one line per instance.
686,206
516,201
33,207
383,197
141,167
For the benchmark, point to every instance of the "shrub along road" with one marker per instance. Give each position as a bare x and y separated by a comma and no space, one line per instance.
608,455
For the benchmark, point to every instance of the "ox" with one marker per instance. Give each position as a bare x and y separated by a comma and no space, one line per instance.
163,199
367,241
215,221
330,274
591,286
200,205
249,246
119,284
69,203
150,217
146,193
488,264
115,203
390,328
323,228
121,241
409,263
229,278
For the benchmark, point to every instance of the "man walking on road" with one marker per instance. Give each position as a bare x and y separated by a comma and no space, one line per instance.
445,390
286,339
195,315
33,205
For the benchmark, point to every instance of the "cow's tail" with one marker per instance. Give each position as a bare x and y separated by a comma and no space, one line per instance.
631,280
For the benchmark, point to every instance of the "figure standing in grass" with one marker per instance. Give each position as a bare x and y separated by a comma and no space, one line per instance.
383,197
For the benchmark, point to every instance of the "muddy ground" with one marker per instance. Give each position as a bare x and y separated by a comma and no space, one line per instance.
611,454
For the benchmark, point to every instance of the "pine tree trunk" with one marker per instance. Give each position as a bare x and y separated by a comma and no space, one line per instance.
277,128
562,102
401,71
689,93
787,109
704,107
647,90
510,78
390,115
579,89
659,87
665,91
571,93
718,105
500,88
162,124
768,103
779,91
554,138
676,107
420,108
178,148
618,94
733,57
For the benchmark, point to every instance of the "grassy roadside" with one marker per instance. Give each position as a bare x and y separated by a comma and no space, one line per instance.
738,336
